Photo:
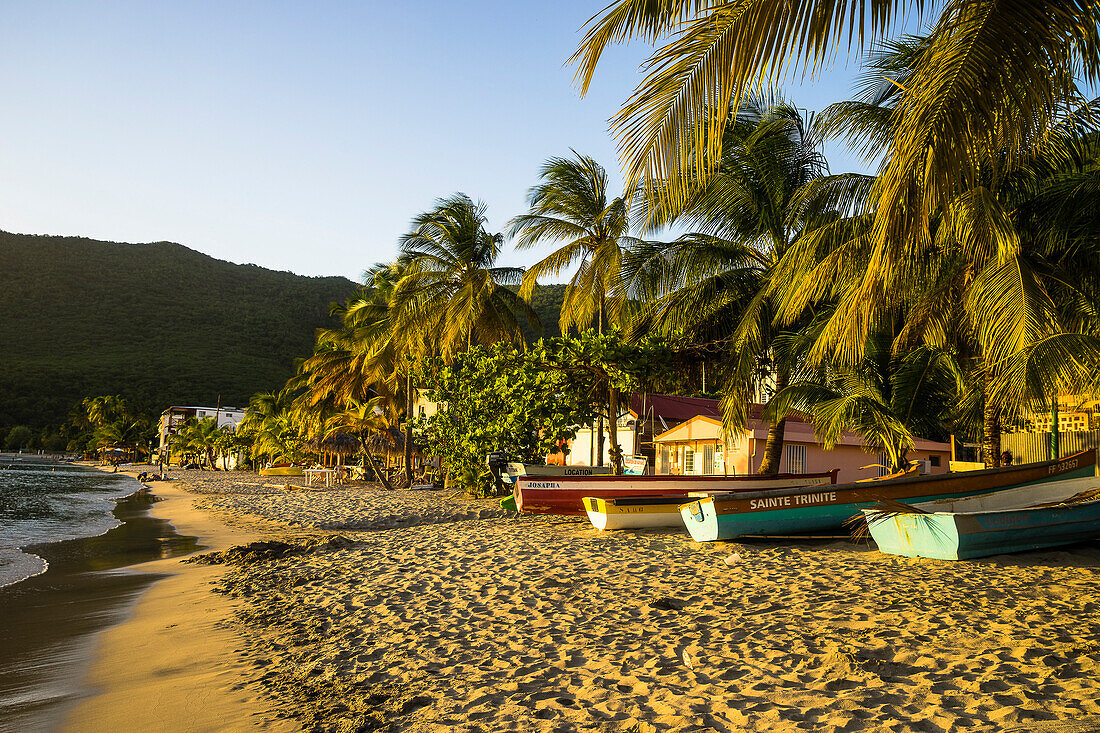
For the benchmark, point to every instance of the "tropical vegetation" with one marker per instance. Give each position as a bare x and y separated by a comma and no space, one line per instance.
951,293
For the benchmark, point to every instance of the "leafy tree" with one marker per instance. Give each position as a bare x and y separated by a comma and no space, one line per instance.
18,437
498,398
597,364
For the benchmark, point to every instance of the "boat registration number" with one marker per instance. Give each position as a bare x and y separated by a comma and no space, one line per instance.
1063,467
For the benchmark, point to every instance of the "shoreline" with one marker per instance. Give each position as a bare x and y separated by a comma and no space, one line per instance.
172,663
51,621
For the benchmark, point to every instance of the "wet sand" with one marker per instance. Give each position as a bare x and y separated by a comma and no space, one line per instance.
48,623
365,609
174,664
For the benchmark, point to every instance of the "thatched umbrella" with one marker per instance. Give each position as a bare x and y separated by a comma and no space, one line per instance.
340,444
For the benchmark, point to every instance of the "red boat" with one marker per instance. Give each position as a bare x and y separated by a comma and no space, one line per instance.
563,494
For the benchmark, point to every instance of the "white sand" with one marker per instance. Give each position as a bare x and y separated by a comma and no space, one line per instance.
409,610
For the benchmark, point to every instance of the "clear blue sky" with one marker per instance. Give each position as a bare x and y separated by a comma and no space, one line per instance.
298,136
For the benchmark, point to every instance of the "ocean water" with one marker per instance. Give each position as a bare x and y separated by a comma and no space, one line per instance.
43,501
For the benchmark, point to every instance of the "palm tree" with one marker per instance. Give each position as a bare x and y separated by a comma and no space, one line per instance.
571,205
105,409
887,399
1003,278
452,294
367,423
199,437
452,289
991,81
269,424
715,285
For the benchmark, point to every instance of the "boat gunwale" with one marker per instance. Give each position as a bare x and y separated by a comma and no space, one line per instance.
775,477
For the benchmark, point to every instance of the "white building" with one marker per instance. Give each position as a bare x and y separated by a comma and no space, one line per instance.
174,416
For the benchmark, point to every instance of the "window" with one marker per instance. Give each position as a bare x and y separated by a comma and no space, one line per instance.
884,464
796,458
708,459
934,460
663,466
689,461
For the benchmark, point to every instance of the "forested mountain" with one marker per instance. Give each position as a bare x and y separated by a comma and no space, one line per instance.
158,323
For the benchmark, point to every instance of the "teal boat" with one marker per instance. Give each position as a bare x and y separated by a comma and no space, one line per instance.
810,509
1015,520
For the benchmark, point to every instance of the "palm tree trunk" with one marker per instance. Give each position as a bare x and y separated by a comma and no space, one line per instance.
991,426
409,430
773,448
599,441
373,467
613,429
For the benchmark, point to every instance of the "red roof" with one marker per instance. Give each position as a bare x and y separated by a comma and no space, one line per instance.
671,407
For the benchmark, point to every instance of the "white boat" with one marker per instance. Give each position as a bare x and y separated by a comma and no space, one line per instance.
636,512
512,471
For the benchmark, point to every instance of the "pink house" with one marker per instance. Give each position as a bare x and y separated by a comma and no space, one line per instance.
699,446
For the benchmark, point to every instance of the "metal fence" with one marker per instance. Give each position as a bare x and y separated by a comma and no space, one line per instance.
1031,447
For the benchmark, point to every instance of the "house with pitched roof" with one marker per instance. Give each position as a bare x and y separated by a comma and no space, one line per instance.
684,435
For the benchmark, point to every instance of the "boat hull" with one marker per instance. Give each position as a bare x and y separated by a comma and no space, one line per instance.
793,511
989,530
283,471
644,513
513,471
565,495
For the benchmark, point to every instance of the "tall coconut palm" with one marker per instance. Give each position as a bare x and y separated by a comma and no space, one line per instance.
714,285
452,294
993,79
571,207
373,352
1004,273
452,289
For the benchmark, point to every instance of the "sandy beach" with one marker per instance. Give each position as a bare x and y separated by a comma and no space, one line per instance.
366,609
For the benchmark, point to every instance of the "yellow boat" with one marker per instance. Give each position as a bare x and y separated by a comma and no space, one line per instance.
283,471
635,512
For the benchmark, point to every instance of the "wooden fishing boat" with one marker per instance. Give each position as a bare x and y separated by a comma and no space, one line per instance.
790,511
1014,520
565,495
283,471
512,471
634,512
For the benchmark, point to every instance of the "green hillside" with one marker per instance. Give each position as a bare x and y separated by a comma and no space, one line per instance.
546,301
157,323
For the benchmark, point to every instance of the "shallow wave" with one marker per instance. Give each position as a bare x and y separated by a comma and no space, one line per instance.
16,565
